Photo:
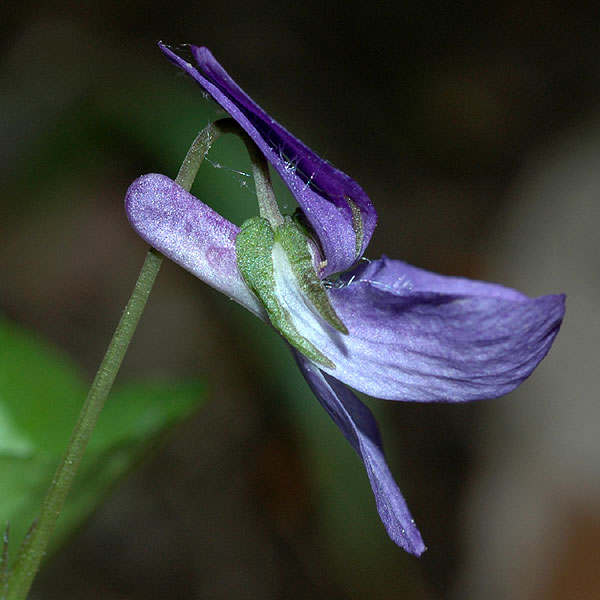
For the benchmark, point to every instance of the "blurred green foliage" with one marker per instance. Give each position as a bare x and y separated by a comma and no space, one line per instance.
41,393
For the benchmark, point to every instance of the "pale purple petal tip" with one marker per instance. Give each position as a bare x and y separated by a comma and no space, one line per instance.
190,233
321,190
359,427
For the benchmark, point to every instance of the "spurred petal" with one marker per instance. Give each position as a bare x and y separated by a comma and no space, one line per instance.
360,429
423,337
331,201
190,233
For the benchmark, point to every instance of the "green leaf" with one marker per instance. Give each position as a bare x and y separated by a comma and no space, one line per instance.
41,394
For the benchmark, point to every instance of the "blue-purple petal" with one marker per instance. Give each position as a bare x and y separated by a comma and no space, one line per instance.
322,191
190,233
422,337
360,429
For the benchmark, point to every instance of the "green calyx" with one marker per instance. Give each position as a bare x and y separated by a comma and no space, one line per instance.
254,249
295,245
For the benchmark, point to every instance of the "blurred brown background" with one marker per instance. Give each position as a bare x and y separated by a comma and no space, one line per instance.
475,130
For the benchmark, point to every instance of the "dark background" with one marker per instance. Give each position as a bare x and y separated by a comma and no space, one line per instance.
439,110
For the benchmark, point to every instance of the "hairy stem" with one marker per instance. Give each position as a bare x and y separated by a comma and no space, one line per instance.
34,546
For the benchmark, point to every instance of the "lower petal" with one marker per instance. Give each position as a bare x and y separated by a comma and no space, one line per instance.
359,427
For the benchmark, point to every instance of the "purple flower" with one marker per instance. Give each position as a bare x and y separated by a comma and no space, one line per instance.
405,333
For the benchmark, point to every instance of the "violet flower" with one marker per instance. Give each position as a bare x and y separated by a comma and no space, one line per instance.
397,332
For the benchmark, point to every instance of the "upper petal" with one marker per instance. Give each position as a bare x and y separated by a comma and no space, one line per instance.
418,336
190,233
325,194
360,429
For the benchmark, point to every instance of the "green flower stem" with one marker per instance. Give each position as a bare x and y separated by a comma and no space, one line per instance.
34,546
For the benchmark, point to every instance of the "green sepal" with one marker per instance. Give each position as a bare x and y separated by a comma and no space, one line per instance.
254,252
357,224
290,236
